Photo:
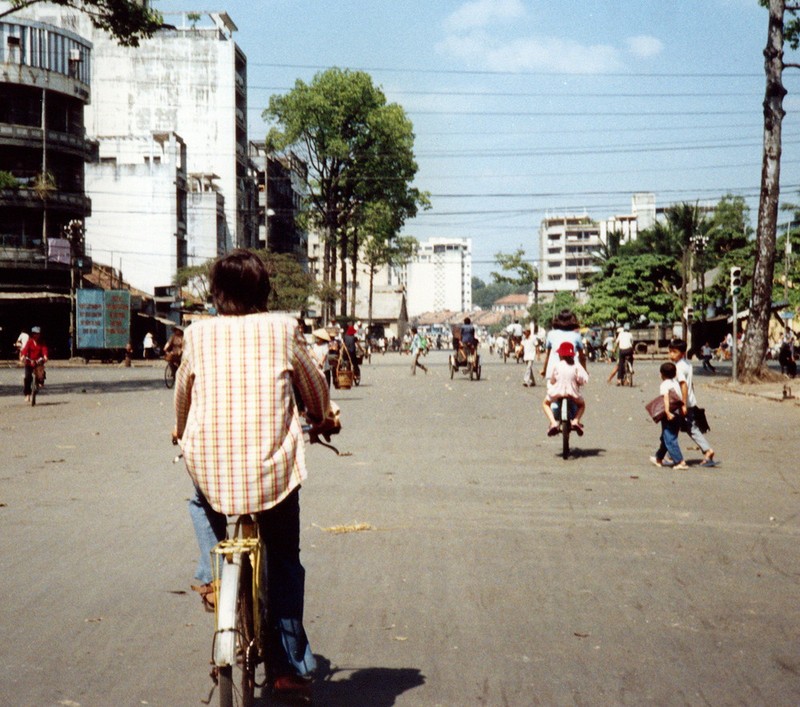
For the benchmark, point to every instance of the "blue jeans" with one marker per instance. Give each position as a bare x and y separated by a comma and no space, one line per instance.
279,528
209,529
669,440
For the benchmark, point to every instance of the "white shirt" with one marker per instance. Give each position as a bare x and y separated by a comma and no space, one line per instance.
555,337
625,340
529,348
685,372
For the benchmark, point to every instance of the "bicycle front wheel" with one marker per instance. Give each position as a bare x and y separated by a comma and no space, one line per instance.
237,681
169,376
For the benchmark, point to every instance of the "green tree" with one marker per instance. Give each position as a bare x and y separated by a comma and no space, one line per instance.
525,274
358,149
632,289
485,295
126,20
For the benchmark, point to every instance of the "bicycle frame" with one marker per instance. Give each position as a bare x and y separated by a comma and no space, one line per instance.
229,554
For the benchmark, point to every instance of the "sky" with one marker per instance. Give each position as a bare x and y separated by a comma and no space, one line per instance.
528,108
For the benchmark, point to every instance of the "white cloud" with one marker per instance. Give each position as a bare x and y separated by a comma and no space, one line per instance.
480,13
531,54
644,46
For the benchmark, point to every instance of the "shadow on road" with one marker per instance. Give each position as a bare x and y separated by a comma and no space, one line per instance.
89,387
583,452
363,687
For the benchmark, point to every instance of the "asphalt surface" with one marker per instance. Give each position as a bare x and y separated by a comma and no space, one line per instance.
482,569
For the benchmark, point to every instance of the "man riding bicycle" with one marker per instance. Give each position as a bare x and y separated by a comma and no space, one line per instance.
623,342
32,353
238,425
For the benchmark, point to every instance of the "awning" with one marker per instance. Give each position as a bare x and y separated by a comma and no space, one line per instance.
33,295
162,320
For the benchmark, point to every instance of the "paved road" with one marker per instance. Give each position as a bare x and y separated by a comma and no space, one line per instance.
493,572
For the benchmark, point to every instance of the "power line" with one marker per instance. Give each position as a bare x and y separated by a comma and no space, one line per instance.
489,72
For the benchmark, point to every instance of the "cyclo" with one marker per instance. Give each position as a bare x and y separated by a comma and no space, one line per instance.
464,357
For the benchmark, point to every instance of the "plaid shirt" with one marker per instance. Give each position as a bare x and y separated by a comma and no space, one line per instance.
237,420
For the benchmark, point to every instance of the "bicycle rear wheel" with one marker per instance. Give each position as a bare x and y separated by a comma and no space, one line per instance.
237,681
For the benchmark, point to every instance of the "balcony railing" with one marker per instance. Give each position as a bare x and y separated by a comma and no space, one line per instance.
28,136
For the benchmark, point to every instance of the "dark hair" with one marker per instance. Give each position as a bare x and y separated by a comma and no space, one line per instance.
467,320
668,370
565,320
678,345
239,283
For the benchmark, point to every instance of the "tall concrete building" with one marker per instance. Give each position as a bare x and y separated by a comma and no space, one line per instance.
440,276
191,80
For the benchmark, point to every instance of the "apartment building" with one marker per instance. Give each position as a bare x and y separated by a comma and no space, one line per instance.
45,74
440,276
567,246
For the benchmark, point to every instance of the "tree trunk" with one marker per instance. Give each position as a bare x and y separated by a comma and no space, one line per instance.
353,273
369,310
328,270
751,362
343,241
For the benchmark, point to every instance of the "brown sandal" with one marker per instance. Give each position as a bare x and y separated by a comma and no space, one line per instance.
207,595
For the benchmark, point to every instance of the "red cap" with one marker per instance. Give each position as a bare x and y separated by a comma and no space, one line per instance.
566,350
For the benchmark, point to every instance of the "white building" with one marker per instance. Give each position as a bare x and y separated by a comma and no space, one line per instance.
440,276
138,221
567,247
641,217
569,244
190,78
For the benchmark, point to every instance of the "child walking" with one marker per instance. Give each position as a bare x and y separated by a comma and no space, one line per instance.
566,380
671,422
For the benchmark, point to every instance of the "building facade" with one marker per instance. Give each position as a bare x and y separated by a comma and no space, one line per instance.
142,181
280,180
191,80
45,75
439,277
568,247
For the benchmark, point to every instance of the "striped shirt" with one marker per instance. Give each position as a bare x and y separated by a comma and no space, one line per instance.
236,417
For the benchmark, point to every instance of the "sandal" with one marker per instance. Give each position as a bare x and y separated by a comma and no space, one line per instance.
207,596
577,427
553,431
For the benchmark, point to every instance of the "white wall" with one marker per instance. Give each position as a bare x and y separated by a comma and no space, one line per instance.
134,218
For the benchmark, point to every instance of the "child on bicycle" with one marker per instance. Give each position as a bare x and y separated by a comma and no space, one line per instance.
241,435
671,422
566,380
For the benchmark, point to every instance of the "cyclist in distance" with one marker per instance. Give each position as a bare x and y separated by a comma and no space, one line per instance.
238,426
32,352
623,342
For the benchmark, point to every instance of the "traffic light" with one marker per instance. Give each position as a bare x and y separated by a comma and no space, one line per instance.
736,280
